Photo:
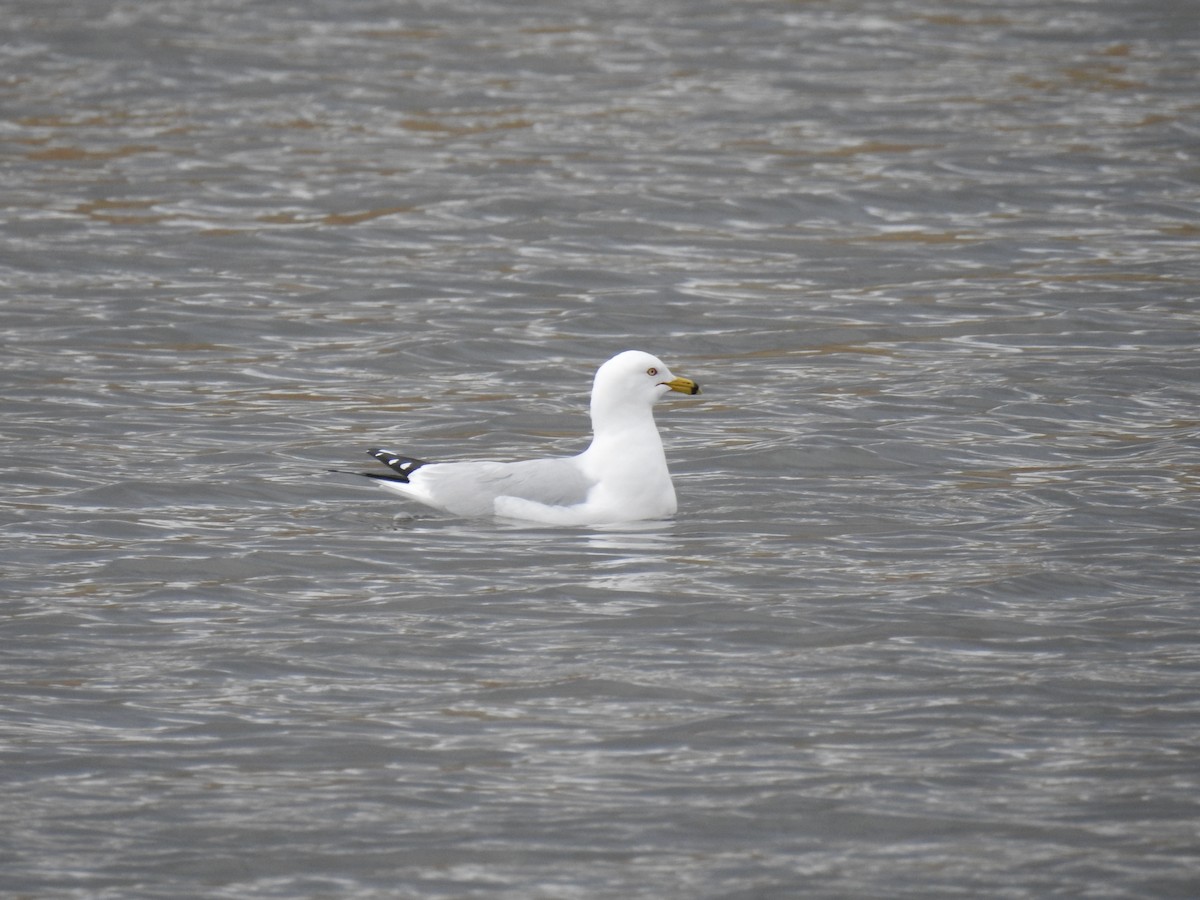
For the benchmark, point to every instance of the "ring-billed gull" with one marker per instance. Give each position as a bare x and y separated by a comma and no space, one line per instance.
621,477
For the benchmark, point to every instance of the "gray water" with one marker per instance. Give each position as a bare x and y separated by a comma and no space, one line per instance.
925,624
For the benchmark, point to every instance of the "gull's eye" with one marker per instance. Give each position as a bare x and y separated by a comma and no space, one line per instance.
652,371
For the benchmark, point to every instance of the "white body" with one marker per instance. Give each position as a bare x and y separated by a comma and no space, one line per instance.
622,476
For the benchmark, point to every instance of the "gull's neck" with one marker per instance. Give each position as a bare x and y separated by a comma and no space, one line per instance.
630,429
609,416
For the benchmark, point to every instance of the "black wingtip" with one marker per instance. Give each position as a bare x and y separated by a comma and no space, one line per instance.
402,466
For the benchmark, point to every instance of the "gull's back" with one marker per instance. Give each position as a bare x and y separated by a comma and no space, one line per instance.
471,488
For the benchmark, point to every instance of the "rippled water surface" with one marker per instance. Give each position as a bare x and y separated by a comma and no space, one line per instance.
926,622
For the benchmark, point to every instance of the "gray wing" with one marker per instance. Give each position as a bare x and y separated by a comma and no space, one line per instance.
470,488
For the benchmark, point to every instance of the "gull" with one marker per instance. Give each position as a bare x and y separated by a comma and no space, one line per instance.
621,477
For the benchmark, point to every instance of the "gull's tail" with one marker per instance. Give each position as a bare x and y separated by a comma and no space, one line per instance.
401,466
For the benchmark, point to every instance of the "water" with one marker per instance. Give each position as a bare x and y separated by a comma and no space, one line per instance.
925,624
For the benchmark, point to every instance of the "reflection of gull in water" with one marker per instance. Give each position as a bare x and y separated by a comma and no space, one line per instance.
629,536
639,566
657,583
621,477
